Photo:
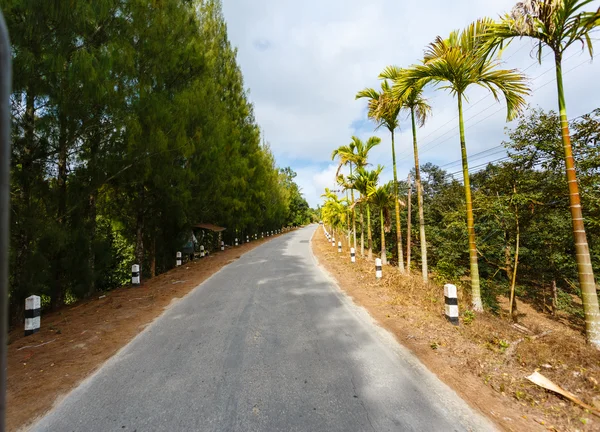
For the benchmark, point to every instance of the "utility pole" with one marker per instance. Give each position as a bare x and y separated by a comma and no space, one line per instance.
5,80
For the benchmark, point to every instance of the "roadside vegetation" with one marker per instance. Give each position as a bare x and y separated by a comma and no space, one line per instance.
516,227
487,358
131,123
519,236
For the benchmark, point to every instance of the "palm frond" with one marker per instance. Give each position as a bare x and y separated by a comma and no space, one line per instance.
557,24
455,63
382,108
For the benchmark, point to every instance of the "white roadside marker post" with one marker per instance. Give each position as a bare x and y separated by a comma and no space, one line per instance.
236,241
32,314
340,247
222,245
202,251
451,303
378,272
135,274
178,259
352,255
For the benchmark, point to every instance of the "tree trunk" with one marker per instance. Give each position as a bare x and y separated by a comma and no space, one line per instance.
58,293
353,214
475,288
362,233
348,218
369,238
512,308
139,243
383,251
424,268
507,259
92,228
582,251
19,272
408,225
153,259
554,298
397,203
93,181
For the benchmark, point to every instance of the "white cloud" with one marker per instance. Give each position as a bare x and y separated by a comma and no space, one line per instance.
305,61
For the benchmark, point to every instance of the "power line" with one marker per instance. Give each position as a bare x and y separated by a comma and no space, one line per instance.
475,167
495,150
421,151
487,95
483,154
426,146
493,104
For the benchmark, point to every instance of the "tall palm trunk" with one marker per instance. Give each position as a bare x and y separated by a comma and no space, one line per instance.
362,233
383,251
582,251
348,220
408,224
353,214
512,305
475,288
369,238
397,203
420,201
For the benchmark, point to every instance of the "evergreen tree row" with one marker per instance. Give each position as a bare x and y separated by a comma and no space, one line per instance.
131,123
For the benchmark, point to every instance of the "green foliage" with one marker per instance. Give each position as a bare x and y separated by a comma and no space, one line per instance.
468,317
130,124
532,186
529,187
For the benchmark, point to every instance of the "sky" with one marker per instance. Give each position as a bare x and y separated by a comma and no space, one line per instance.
304,61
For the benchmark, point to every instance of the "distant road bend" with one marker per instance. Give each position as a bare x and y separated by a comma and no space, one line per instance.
268,343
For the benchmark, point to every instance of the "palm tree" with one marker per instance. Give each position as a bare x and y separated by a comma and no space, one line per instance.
384,112
362,180
420,110
558,24
363,149
383,197
460,61
334,211
346,155
360,159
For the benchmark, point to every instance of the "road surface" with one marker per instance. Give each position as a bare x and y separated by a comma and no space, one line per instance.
268,343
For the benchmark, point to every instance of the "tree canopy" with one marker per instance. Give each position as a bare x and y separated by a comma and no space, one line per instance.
131,123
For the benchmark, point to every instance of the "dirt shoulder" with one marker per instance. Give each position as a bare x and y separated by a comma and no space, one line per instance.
76,340
486,360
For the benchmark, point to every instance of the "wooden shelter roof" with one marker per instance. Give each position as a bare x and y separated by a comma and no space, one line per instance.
210,227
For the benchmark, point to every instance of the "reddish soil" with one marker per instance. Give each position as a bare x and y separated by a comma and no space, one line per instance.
486,359
76,340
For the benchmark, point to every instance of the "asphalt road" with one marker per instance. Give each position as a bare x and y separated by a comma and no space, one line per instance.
268,343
